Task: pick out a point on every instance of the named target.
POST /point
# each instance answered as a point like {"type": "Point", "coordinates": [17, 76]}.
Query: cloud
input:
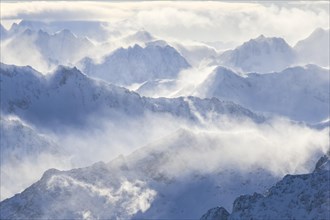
{"type": "Point", "coordinates": [24, 53]}
{"type": "Point", "coordinates": [126, 198]}
{"type": "Point", "coordinates": [15, 177]}
{"type": "Point", "coordinates": [277, 146]}
{"type": "Point", "coordinates": [201, 21]}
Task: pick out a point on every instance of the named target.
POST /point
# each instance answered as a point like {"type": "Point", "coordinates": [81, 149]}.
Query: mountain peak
{"type": "Point", "coordinates": [270, 40]}
{"type": "Point", "coordinates": [28, 32]}
{"type": "Point", "coordinates": [63, 73]}
{"type": "Point", "coordinates": [68, 70]}
{"type": "Point", "coordinates": [261, 37]}
{"type": "Point", "coordinates": [136, 47]}
{"type": "Point", "coordinates": [320, 31]}
{"type": "Point", "coordinates": [65, 33]}
{"type": "Point", "coordinates": [315, 48]}
{"type": "Point", "coordinates": [261, 54]}
{"type": "Point", "coordinates": [222, 72]}
{"type": "Point", "coordinates": [140, 36]}
{"type": "Point", "coordinates": [143, 35]}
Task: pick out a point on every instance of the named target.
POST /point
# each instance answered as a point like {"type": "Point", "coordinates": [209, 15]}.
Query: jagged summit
{"type": "Point", "coordinates": [261, 37]}
{"type": "Point", "coordinates": [13, 70]}
{"type": "Point", "coordinates": [45, 50]}
{"type": "Point", "coordinates": [79, 96]}
{"type": "Point", "coordinates": [66, 33]}
{"type": "Point", "coordinates": [137, 64]}
{"type": "Point", "coordinates": [64, 73]}
{"type": "Point", "coordinates": [82, 28]}
{"type": "Point", "coordinates": [262, 54]}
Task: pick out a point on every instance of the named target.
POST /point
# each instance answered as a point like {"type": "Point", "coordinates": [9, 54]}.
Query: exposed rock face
{"type": "Point", "coordinates": [304, 196]}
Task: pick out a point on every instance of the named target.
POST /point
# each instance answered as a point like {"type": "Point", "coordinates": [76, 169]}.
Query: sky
{"type": "Point", "coordinates": [184, 20]}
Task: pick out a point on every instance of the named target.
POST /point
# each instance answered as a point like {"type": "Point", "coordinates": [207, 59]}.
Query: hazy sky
{"type": "Point", "coordinates": [185, 20]}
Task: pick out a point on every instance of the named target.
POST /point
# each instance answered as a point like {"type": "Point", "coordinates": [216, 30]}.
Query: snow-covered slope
{"type": "Point", "coordinates": [137, 64]}
{"type": "Point", "coordinates": [39, 48]}
{"type": "Point", "coordinates": [294, 197]}
{"type": "Point", "coordinates": [158, 181]}
{"type": "Point", "coordinates": [3, 32]}
{"type": "Point", "coordinates": [68, 97]}
{"type": "Point", "coordinates": [300, 93]}
{"type": "Point", "coordinates": [19, 141]}
{"type": "Point", "coordinates": [315, 48]}
{"type": "Point", "coordinates": [196, 53]}
{"type": "Point", "coordinates": [157, 88]}
{"type": "Point", "coordinates": [196, 168]}
{"type": "Point", "coordinates": [262, 54]}
{"type": "Point", "coordinates": [177, 177]}
{"type": "Point", "coordinates": [25, 155]}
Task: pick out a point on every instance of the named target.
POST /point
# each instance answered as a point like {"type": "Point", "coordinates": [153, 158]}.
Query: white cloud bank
{"type": "Point", "coordinates": [201, 21]}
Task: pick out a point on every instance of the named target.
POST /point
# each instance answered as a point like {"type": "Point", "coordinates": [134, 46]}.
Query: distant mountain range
{"type": "Point", "coordinates": [45, 50]}
{"type": "Point", "coordinates": [264, 54]}
{"type": "Point", "coordinates": [199, 128]}
{"type": "Point", "coordinates": [300, 93]}
{"type": "Point", "coordinates": [68, 97]}
{"type": "Point", "coordinates": [137, 65]}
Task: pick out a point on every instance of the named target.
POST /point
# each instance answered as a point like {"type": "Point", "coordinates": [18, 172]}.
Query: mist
{"type": "Point", "coordinates": [278, 146]}
{"type": "Point", "coordinates": [129, 146]}
{"type": "Point", "coordinates": [213, 21]}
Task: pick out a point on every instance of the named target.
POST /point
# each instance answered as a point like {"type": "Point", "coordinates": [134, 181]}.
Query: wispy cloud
{"type": "Point", "coordinates": [203, 21]}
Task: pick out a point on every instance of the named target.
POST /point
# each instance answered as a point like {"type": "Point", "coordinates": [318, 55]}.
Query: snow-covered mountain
{"type": "Point", "coordinates": [139, 37]}
{"type": "Point", "coordinates": [83, 28]}
{"type": "Point", "coordinates": [39, 48]}
{"type": "Point", "coordinates": [192, 152]}
{"type": "Point", "coordinates": [144, 184]}
{"type": "Point", "coordinates": [294, 197]}
{"type": "Point", "coordinates": [164, 180]}
{"type": "Point", "coordinates": [193, 52]}
{"type": "Point", "coordinates": [22, 148]}
{"type": "Point", "coordinates": [164, 88]}
{"type": "Point", "coordinates": [69, 97]}
{"type": "Point", "coordinates": [137, 64]}
{"type": "Point", "coordinates": [261, 54]}
{"type": "Point", "coordinates": [20, 141]}
{"type": "Point", "coordinates": [315, 48]}
{"type": "Point", "coordinates": [300, 93]}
